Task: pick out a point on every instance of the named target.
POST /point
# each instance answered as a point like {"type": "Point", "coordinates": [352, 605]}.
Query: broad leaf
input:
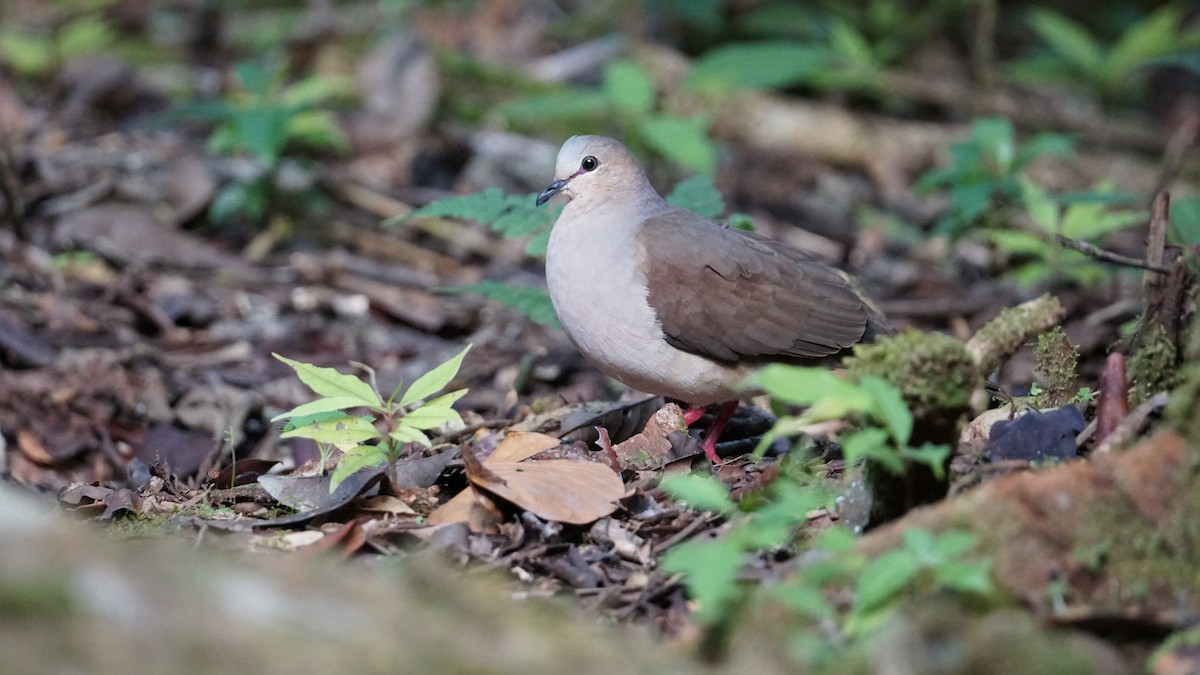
{"type": "Point", "coordinates": [1067, 38]}
{"type": "Point", "coordinates": [330, 383]}
{"type": "Point", "coordinates": [347, 429]}
{"type": "Point", "coordinates": [710, 572]}
{"type": "Point", "coordinates": [629, 86]}
{"type": "Point", "coordinates": [436, 412]}
{"type": "Point", "coordinates": [355, 460]}
{"type": "Point", "coordinates": [435, 380]}
{"type": "Point", "coordinates": [683, 141]}
{"type": "Point", "coordinates": [756, 65]}
{"type": "Point", "coordinates": [698, 194]}
{"type": "Point", "coordinates": [890, 407]}
{"type": "Point", "coordinates": [403, 433]}
{"type": "Point", "coordinates": [704, 493]}
{"type": "Point", "coordinates": [324, 404]}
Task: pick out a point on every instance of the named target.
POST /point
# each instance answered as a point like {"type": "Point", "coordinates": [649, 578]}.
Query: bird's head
{"type": "Point", "coordinates": [594, 165]}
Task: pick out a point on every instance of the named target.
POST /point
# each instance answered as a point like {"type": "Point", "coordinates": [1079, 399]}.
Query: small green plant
{"type": "Point", "coordinates": [886, 423]}
{"type": "Point", "coordinates": [838, 47]}
{"type": "Point", "coordinates": [834, 586]}
{"type": "Point", "coordinates": [1084, 217]}
{"type": "Point", "coordinates": [329, 422]}
{"type": "Point", "coordinates": [983, 179]}
{"type": "Point", "coordinates": [268, 120]}
{"type": "Point", "coordinates": [1074, 56]}
{"type": "Point", "coordinates": [517, 216]}
{"type": "Point", "coordinates": [31, 53]}
{"type": "Point", "coordinates": [627, 100]}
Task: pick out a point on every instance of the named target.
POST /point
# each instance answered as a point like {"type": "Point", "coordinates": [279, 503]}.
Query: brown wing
{"type": "Point", "coordinates": [731, 295]}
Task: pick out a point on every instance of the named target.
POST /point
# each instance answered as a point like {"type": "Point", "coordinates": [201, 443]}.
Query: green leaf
{"type": "Point", "coordinates": [435, 380]}
{"type": "Point", "coordinates": [932, 456]}
{"type": "Point", "coordinates": [404, 433]}
{"type": "Point", "coordinates": [629, 86]}
{"type": "Point", "coordinates": [355, 460]}
{"type": "Point", "coordinates": [27, 54]}
{"type": "Point", "coordinates": [683, 141]}
{"type": "Point", "coordinates": [871, 443]}
{"type": "Point", "coordinates": [302, 420]}
{"type": "Point", "coordinates": [436, 412]}
{"type": "Point", "coordinates": [698, 194]}
{"type": "Point", "coordinates": [756, 65]}
{"type": "Point", "coordinates": [1018, 242]}
{"type": "Point", "coordinates": [235, 199]}
{"type": "Point", "coordinates": [970, 200]}
{"type": "Point", "coordinates": [1185, 220]}
{"type": "Point", "coordinates": [536, 248]}
{"type": "Point", "coordinates": [965, 577]}
{"type": "Point", "coordinates": [1043, 210]}
{"type": "Point", "coordinates": [920, 542]}
{"type": "Point", "coordinates": [1043, 144]}
{"type": "Point", "coordinates": [321, 405]}
{"type": "Point", "coordinates": [558, 106]}
{"type": "Point", "coordinates": [890, 407]}
{"type": "Point", "coordinates": [330, 383]}
{"type": "Point", "coordinates": [996, 137]}
{"type": "Point", "coordinates": [85, 35]}
{"type": "Point", "coordinates": [835, 539]}
{"type": "Point", "coordinates": [1091, 222]}
{"type": "Point", "coordinates": [883, 578]}
{"type": "Point", "coordinates": [1149, 38]}
{"type": "Point", "coordinates": [850, 44]}
{"type": "Point", "coordinates": [801, 385]}
{"type": "Point", "coordinates": [532, 302]}
{"type": "Point", "coordinates": [803, 599]}
{"type": "Point", "coordinates": [710, 571]}
{"type": "Point", "coordinates": [704, 493]}
{"type": "Point", "coordinates": [1106, 196]}
{"type": "Point", "coordinates": [343, 430]}
{"type": "Point", "coordinates": [1068, 39]}
{"type": "Point", "coordinates": [510, 215]}
{"type": "Point", "coordinates": [952, 544]}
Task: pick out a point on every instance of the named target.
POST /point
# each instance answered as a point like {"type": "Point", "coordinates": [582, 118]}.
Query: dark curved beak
{"type": "Point", "coordinates": [551, 190]}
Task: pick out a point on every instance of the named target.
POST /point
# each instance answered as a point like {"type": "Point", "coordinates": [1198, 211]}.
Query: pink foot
{"type": "Point", "coordinates": [709, 442]}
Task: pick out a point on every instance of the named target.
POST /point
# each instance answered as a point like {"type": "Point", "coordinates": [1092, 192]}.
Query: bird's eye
{"type": "Point", "coordinates": [589, 163]}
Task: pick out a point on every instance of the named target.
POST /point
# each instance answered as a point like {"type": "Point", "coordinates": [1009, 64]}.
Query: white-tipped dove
{"type": "Point", "coordinates": [674, 304]}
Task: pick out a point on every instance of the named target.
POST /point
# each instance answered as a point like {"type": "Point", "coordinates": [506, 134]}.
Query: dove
{"type": "Point", "coordinates": [674, 304]}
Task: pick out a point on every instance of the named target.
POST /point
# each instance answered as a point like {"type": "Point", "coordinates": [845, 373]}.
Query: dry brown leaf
{"type": "Point", "coordinates": [568, 491]}
{"type": "Point", "coordinates": [521, 445]}
{"type": "Point", "coordinates": [388, 504]}
{"type": "Point", "coordinates": [563, 490]}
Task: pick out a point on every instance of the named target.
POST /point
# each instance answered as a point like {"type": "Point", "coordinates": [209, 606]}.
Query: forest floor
{"type": "Point", "coordinates": [138, 387]}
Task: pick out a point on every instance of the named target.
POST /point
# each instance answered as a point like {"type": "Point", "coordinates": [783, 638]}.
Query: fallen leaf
{"type": "Point", "coordinates": [544, 491]}
{"type": "Point", "coordinates": [563, 490]}
{"type": "Point", "coordinates": [388, 504]}
{"type": "Point", "coordinates": [521, 445]}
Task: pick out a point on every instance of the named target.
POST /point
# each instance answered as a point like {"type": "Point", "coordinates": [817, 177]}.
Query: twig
{"type": "Point", "coordinates": [1093, 251]}
{"type": "Point", "coordinates": [1156, 239]}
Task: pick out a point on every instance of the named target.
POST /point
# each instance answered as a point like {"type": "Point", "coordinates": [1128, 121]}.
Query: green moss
{"type": "Point", "coordinates": [1056, 368]}
{"type": "Point", "coordinates": [935, 371]}
{"type": "Point", "coordinates": [1012, 328]}
{"type": "Point", "coordinates": [1137, 551]}
{"type": "Point", "coordinates": [1154, 367]}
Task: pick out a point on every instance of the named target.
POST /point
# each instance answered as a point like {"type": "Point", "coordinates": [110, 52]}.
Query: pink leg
{"type": "Point", "coordinates": [693, 414]}
{"type": "Point", "coordinates": [709, 442]}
